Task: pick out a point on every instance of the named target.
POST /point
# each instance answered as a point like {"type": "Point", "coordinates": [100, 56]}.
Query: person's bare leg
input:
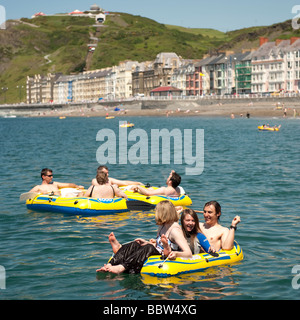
{"type": "Point", "coordinates": [115, 244]}
{"type": "Point", "coordinates": [165, 242]}
{"type": "Point", "coordinates": [104, 268]}
{"type": "Point", "coordinates": [116, 269]}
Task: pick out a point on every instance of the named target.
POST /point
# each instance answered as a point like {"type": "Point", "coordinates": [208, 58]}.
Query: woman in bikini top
{"type": "Point", "coordinates": [103, 190]}
{"type": "Point", "coordinates": [91, 193]}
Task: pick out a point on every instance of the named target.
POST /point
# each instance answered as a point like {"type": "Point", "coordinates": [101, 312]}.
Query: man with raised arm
{"type": "Point", "coordinates": [218, 236]}
{"type": "Point", "coordinates": [172, 189]}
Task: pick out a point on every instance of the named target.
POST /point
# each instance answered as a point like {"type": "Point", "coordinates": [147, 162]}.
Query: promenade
{"type": "Point", "coordinates": [257, 106]}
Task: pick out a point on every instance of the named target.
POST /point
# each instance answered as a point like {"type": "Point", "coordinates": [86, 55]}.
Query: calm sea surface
{"type": "Point", "coordinates": [54, 256]}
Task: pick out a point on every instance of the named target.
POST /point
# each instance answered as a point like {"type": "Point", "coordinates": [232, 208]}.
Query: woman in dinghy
{"type": "Point", "coordinates": [104, 189]}
{"type": "Point", "coordinates": [130, 257]}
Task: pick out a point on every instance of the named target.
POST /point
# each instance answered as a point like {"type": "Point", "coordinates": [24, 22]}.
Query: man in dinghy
{"type": "Point", "coordinates": [113, 181]}
{"type": "Point", "coordinates": [218, 236]}
{"type": "Point", "coordinates": [171, 190]}
{"type": "Point", "coordinates": [49, 186]}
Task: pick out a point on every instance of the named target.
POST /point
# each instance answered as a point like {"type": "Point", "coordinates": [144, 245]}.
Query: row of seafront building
{"type": "Point", "coordinates": [273, 67]}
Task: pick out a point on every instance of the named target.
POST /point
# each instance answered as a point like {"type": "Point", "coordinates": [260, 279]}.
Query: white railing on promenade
{"type": "Point", "coordinates": [164, 98]}
{"type": "Point", "coordinates": [208, 97]}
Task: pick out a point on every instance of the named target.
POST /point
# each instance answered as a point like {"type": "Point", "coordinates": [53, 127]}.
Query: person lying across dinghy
{"type": "Point", "coordinates": [172, 189]}
{"type": "Point", "coordinates": [114, 181]}
{"type": "Point", "coordinates": [130, 257]}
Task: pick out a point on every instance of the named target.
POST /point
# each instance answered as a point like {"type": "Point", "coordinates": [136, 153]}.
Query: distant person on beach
{"type": "Point", "coordinates": [104, 189]}
{"type": "Point", "coordinates": [112, 180]}
{"type": "Point", "coordinates": [172, 188]}
{"type": "Point", "coordinates": [284, 112]}
{"type": "Point", "coordinates": [50, 186]}
{"type": "Point", "coordinates": [131, 256]}
{"type": "Point", "coordinates": [219, 237]}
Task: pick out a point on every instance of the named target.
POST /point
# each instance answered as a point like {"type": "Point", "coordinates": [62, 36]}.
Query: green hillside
{"type": "Point", "coordinates": [59, 44]}
{"type": "Point", "coordinates": [24, 45]}
{"type": "Point", "coordinates": [206, 32]}
{"type": "Point", "coordinates": [249, 37]}
{"type": "Point", "coordinates": [129, 37]}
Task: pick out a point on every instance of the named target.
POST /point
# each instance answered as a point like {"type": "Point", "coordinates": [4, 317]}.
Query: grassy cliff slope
{"type": "Point", "coordinates": [60, 44]}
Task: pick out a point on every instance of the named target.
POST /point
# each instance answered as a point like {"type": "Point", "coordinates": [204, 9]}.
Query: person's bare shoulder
{"type": "Point", "coordinates": [36, 189]}
{"type": "Point", "coordinates": [223, 231]}
{"type": "Point", "coordinates": [94, 182]}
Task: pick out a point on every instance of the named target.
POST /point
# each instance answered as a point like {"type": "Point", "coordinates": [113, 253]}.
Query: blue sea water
{"type": "Point", "coordinates": [54, 256]}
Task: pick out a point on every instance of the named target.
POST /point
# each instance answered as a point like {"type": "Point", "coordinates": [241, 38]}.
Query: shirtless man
{"type": "Point", "coordinates": [49, 186]}
{"type": "Point", "coordinates": [219, 237]}
{"type": "Point", "coordinates": [114, 181]}
{"type": "Point", "coordinates": [172, 188]}
{"type": "Point", "coordinates": [104, 189]}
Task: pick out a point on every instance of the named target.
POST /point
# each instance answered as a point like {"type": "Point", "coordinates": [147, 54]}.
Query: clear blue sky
{"type": "Point", "coordinates": [223, 15]}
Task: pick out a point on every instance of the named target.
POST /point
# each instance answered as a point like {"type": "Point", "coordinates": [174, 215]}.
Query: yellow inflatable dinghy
{"type": "Point", "coordinates": [155, 266]}
{"type": "Point", "coordinates": [182, 200]}
{"type": "Point", "coordinates": [77, 205]}
{"type": "Point", "coordinates": [264, 128]}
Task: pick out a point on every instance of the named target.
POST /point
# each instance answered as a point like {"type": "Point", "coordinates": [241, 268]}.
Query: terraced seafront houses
{"type": "Point", "coordinates": [274, 67]}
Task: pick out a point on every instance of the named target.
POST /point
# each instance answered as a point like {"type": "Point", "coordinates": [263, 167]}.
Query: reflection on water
{"type": "Point", "coordinates": [213, 283]}
{"type": "Point", "coordinates": [117, 220]}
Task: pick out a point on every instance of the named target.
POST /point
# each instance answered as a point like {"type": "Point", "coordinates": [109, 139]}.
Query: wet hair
{"type": "Point", "coordinates": [165, 212]}
{"type": "Point", "coordinates": [175, 179]}
{"type": "Point", "coordinates": [45, 171]}
{"type": "Point", "coordinates": [102, 178]}
{"type": "Point", "coordinates": [216, 205]}
{"type": "Point", "coordinates": [100, 168]}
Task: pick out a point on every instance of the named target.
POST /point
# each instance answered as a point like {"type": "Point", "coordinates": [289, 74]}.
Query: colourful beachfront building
{"type": "Point", "coordinates": [274, 67]}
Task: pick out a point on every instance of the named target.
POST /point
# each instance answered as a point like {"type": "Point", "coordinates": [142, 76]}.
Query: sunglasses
{"type": "Point", "coordinates": [49, 175]}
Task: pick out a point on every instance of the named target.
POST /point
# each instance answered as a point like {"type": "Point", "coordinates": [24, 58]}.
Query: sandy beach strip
{"type": "Point", "coordinates": [178, 109]}
{"type": "Point", "coordinates": [215, 110]}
